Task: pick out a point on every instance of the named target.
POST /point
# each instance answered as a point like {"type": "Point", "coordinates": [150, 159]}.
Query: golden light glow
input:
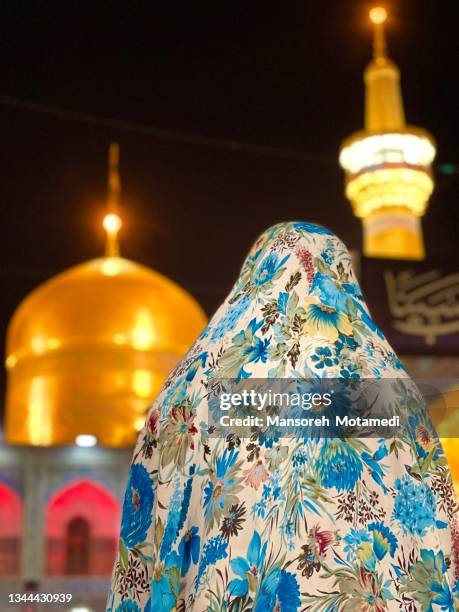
{"type": "Point", "coordinates": [86, 440]}
{"type": "Point", "coordinates": [39, 344]}
{"type": "Point", "coordinates": [38, 415]}
{"type": "Point", "coordinates": [390, 148]}
{"type": "Point", "coordinates": [451, 448]}
{"type": "Point", "coordinates": [91, 349]}
{"type": "Point", "coordinates": [388, 164]}
{"type": "Point", "coordinates": [139, 423]}
{"type": "Point", "coordinates": [394, 231]}
{"type": "Point", "coordinates": [112, 223]}
{"type": "Point", "coordinates": [389, 187]}
{"type": "Point", "coordinates": [378, 14]}
{"type": "Point", "coordinates": [143, 333]}
{"type": "Point", "coordinates": [10, 362]}
{"type": "Point", "coordinates": [143, 383]}
{"type": "Point", "coordinates": [111, 266]}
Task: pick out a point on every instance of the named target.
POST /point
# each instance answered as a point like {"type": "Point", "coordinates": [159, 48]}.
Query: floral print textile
{"type": "Point", "coordinates": [256, 524]}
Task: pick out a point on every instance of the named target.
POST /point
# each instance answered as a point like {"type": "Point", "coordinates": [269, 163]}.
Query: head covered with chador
{"type": "Point", "coordinates": [261, 523]}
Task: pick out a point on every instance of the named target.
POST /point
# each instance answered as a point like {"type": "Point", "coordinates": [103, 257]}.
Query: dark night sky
{"type": "Point", "coordinates": [285, 74]}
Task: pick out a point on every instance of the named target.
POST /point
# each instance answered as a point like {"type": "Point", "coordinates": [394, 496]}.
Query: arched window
{"type": "Point", "coordinates": [10, 531]}
{"type": "Point", "coordinates": [82, 525]}
{"type": "Point", "coordinates": [78, 546]}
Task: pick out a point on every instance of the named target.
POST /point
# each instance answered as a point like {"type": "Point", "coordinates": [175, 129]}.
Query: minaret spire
{"type": "Point", "coordinates": [378, 16]}
{"type": "Point", "coordinates": [383, 96]}
{"type": "Point", "coordinates": [112, 220]}
{"type": "Point", "coordinates": [388, 163]}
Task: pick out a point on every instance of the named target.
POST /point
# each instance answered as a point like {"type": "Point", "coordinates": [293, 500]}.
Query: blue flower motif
{"type": "Point", "coordinates": [189, 549]}
{"type": "Point", "coordinates": [429, 584]}
{"type": "Point", "coordinates": [231, 317]}
{"type": "Point", "coordinates": [414, 506]}
{"type": "Point", "coordinates": [327, 255]}
{"type": "Point", "coordinates": [354, 539]}
{"type": "Point", "coordinates": [278, 591]}
{"type": "Point", "coordinates": [323, 357]}
{"type": "Point", "coordinates": [339, 465]}
{"type": "Point", "coordinates": [258, 351]}
{"type": "Point", "coordinates": [162, 594]}
{"type": "Point", "coordinates": [128, 606]}
{"type": "Point", "coordinates": [213, 500]}
{"type": "Point", "coordinates": [350, 371]}
{"type": "Point", "coordinates": [267, 269]}
{"type": "Point", "coordinates": [288, 593]}
{"type": "Point", "coordinates": [312, 228]}
{"type": "Point", "coordinates": [383, 540]}
{"type": "Point", "coordinates": [214, 549]}
{"type": "Point", "coordinates": [248, 569]}
{"type": "Point", "coordinates": [331, 295]}
{"type": "Point", "coordinates": [173, 520]}
{"type": "Point", "coordinates": [137, 506]}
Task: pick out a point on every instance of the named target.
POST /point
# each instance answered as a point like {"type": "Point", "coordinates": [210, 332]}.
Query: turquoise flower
{"type": "Point", "coordinates": [268, 269]}
{"type": "Point", "coordinates": [258, 351]}
{"type": "Point", "coordinates": [288, 593]}
{"type": "Point", "coordinates": [311, 228]}
{"type": "Point", "coordinates": [324, 321]}
{"type": "Point", "coordinates": [323, 357]}
{"type": "Point", "coordinates": [214, 549]}
{"type": "Point", "coordinates": [428, 583]}
{"type": "Point", "coordinates": [248, 569]}
{"type": "Point", "coordinates": [330, 294]}
{"type": "Point", "coordinates": [384, 540]}
{"type": "Point", "coordinates": [414, 506]}
{"type": "Point", "coordinates": [327, 255]}
{"type": "Point", "coordinates": [189, 549]}
{"type": "Point", "coordinates": [354, 539]}
{"type": "Point", "coordinates": [128, 606]}
{"type": "Point", "coordinates": [230, 318]}
{"type": "Point", "coordinates": [221, 488]}
{"type": "Point", "coordinates": [137, 506]}
{"type": "Point", "coordinates": [278, 591]}
{"type": "Point", "coordinates": [161, 592]}
{"type": "Point", "coordinates": [339, 465]}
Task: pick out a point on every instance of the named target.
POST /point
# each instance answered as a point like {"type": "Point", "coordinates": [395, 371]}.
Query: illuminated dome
{"type": "Point", "coordinates": [88, 350]}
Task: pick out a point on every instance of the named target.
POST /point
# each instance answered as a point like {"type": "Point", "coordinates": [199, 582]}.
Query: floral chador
{"type": "Point", "coordinates": [255, 524]}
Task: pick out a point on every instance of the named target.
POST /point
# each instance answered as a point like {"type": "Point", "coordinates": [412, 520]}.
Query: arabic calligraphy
{"type": "Point", "coordinates": [425, 305]}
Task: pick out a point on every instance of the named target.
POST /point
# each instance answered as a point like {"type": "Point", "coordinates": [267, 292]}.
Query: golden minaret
{"type": "Point", "coordinates": [88, 350]}
{"type": "Point", "coordinates": [388, 164]}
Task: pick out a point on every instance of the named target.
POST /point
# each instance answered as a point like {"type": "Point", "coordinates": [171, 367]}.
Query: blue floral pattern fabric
{"type": "Point", "coordinates": [257, 524]}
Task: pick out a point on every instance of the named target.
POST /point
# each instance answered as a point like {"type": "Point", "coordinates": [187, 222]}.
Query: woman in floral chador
{"type": "Point", "coordinates": [257, 524]}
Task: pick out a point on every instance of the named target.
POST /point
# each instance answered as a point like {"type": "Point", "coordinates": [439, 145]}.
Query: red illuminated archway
{"type": "Point", "coordinates": [10, 530]}
{"type": "Point", "coordinates": [82, 502]}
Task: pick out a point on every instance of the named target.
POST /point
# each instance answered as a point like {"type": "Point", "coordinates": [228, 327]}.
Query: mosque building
{"type": "Point", "coordinates": [88, 350]}
{"type": "Point", "coordinates": [86, 353]}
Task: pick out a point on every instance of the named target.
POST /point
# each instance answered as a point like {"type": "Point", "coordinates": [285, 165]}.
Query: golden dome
{"type": "Point", "coordinates": [88, 350]}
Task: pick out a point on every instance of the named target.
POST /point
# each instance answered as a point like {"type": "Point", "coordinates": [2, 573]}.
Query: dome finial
{"type": "Point", "coordinates": [383, 97]}
{"type": "Point", "coordinates": [112, 220]}
{"type": "Point", "coordinates": [378, 16]}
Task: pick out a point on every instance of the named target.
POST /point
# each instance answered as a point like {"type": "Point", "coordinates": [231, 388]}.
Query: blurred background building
{"type": "Point", "coordinates": [87, 350]}
{"type": "Point", "coordinates": [86, 354]}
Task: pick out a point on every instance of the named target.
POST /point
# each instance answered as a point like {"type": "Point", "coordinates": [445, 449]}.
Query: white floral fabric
{"type": "Point", "coordinates": [258, 524]}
